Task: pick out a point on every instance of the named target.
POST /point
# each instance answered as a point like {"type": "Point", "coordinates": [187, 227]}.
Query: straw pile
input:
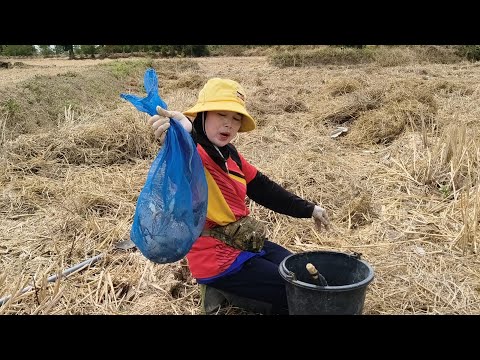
{"type": "Point", "coordinates": [401, 186]}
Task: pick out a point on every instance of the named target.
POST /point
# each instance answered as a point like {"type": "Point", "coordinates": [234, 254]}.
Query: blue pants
{"type": "Point", "coordinates": [259, 279]}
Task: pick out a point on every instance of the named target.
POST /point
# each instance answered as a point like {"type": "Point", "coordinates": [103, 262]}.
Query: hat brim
{"type": "Point", "coordinates": [248, 123]}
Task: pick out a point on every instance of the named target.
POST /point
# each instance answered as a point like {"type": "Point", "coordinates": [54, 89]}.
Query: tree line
{"type": "Point", "coordinates": [469, 52]}
{"type": "Point", "coordinates": [103, 50]}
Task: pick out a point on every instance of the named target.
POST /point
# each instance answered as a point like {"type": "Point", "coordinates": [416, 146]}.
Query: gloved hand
{"type": "Point", "coordinates": [160, 123]}
{"type": "Point", "coordinates": [321, 218]}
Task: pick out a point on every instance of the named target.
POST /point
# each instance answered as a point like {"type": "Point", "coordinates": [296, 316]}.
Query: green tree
{"type": "Point", "coordinates": [88, 50]}
{"type": "Point", "coordinates": [45, 50]}
{"type": "Point", "coordinates": [195, 50]}
{"type": "Point", "coordinates": [471, 52]}
{"type": "Point", "coordinates": [58, 49]}
{"type": "Point", "coordinates": [71, 53]}
{"type": "Point", "coordinates": [19, 50]}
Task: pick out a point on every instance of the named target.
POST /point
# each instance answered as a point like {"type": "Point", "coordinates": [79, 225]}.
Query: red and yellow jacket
{"type": "Point", "coordinates": [227, 191]}
{"type": "Point", "coordinates": [226, 203]}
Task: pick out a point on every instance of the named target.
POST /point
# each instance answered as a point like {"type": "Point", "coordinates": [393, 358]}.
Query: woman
{"type": "Point", "coordinates": [232, 255]}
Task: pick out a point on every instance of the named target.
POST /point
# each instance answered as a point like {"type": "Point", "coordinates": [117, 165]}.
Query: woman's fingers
{"type": "Point", "coordinates": [163, 112]}
{"type": "Point", "coordinates": [160, 123]}
{"type": "Point", "coordinates": [162, 137]}
{"type": "Point", "coordinates": [160, 127]}
{"type": "Point", "coordinates": [153, 119]}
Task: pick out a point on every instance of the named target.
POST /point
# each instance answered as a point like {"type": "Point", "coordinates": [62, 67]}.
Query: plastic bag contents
{"type": "Point", "coordinates": [172, 206]}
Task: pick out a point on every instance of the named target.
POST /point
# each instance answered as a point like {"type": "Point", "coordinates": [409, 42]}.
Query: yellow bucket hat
{"type": "Point", "coordinates": [223, 94]}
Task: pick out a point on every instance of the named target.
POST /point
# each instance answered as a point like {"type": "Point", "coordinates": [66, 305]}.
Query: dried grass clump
{"type": "Point", "coordinates": [26, 195]}
{"type": "Point", "coordinates": [447, 169]}
{"type": "Point", "coordinates": [407, 105]}
{"type": "Point", "coordinates": [451, 164]}
{"type": "Point", "coordinates": [384, 125]}
{"type": "Point", "coordinates": [323, 56]}
{"type": "Point", "coordinates": [357, 211]}
{"type": "Point", "coordinates": [446, 88]}
{"type": "Point", "coordinates": [292, 105]}
{"type": "Point", "coordinates": [21, 65]}
{"type": "Point", "coordinates": [437, 54]}
{"type": "Point", "coordinates": [407, 90]}
{"type": "Point", "coordinates": [228, 50]}
{"type": "Point", "coordinates": [260, 50]}
{"type": "Point", "coordinates": [178, 74]}
{"type": "Point", "coordinates": [354, 105]}
{"type": "Point", "coordinates": [38, 104]}
{"type": "Point", "coordinates": [343, 85]}
{"type": "Point", "coordinates": [266, 101]}
{"type": "Point", "coordinates": [388, 56]}
{"type": "Point", "coordinates": [108, 291]}
{"type": "Point", "coordinates": [97, 205]}
{"type": "Point", "coordinates": [116, 139]}
{"type": "Point", "coordinates": [124, 69]}
{"type": "Point", "coordinates": [468, 208]}
{"type": "Point", "coordinates": [189, 81]}
{"type": "Point", "coordinates": [377, 127]}
{"type": "Point", "coordinates": [27, 147]}
{"type": "Point", "coordinates": [417, 114]}
{"type": "Point", "coordinates": [385, 56]}
{"type": "Point", "coordinates": [176, 65]}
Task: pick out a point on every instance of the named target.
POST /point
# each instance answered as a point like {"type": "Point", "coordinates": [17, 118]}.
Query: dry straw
{"type": "Point", "coordinates": [401, 186]}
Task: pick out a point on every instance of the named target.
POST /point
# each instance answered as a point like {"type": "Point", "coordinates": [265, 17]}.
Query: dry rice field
{"type": "Point", "coordinates": [401, 185]}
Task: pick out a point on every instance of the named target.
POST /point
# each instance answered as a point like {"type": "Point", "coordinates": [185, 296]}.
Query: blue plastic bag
{"type": "Point", "coordinates": [149, 103]}
{"type": "Point", "coordinates": [172, 206]}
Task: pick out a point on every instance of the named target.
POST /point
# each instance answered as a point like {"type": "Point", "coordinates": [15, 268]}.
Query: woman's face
{"type": "Point", "coordinates": [222, 126]}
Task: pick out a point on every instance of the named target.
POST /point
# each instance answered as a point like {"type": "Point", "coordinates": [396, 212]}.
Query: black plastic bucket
{"type": "Point", "coordinates": [347, 279]}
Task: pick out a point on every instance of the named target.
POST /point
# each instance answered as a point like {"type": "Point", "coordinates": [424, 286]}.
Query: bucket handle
{"type": "Point", "coordinates": [356, 255]}
{"type": "Point", "coordinates": [290, 275]}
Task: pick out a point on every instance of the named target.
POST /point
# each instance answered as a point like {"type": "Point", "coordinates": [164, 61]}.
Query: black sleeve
{"type": "Point", "coordinates": [268, 193]}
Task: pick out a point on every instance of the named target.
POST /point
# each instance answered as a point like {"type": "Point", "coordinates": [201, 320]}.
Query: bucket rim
{"type": "Point", "coordinates": [287, 274]}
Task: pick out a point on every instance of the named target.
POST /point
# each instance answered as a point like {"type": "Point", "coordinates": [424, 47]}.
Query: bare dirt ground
{"type": "Point", "coordinates": [401, 186]}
